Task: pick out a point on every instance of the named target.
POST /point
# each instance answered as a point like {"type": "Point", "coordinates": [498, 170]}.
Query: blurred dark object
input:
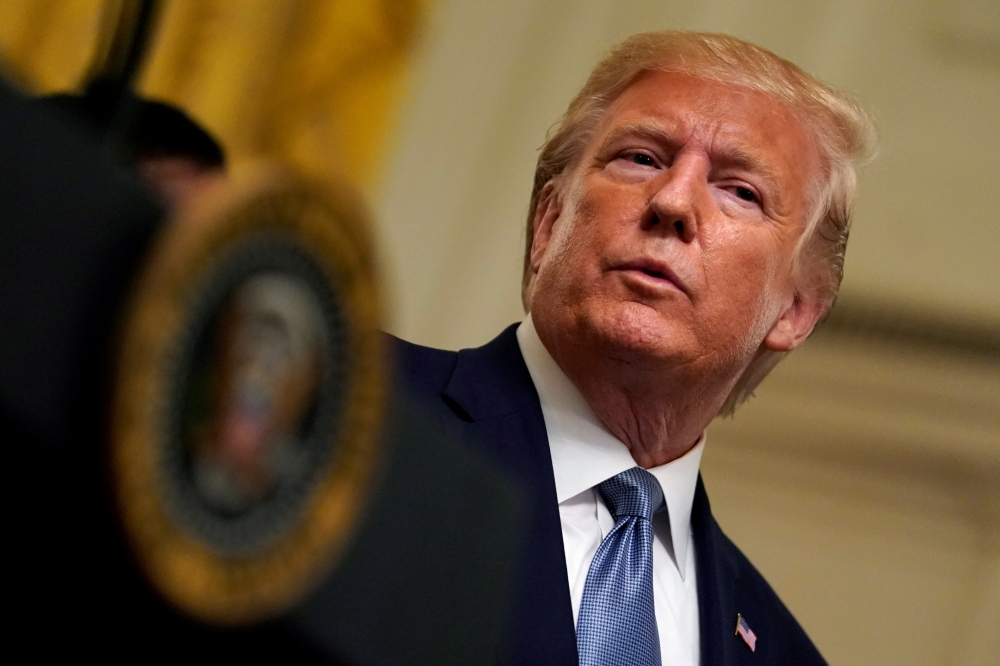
{"type": "Point", "coordinates": [174, 156]}
{"type": "Point", "coordinates": [431, 576]}
{"type": "Point", "coordinates": [156, 129]}
{"type": "Point", "coordinates": [426, 578]}
{"type": "Point", "coordinates": [74, 230]}
{"type": "Point", "coordinates": [108, 104]}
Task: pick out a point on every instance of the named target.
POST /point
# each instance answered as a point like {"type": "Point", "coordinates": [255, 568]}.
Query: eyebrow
{"type": "Point", "coordinates": [639, 128]}
{"type": "Point", "coordinates": [730, 156]}
{"type": "Point", "coordinates": [735, 156]}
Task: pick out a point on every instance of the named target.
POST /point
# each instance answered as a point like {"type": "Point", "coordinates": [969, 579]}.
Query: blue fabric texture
{"type": "Point", "coordinates": [617, 620]}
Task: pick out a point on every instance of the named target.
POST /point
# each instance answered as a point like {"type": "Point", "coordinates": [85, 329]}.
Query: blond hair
{"type": "Point", "coordinates": [844, 132]}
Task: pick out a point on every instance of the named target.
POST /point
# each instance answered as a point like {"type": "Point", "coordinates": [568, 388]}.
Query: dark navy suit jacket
{"type": "Point", "coordinates": [487, 396]}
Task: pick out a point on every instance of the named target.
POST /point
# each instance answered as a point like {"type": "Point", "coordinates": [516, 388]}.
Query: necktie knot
{"type": "Point", "coordinates": [635, 492]}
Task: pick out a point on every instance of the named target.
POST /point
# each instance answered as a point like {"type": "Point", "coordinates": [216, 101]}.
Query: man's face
{"type": "Point", "coordinates": [673, 238]}
{"type": "Point", "coordinates": [175, 180]}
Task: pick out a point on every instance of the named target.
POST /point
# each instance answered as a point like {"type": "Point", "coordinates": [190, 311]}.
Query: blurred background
{"type": "Point", "coordinates": [864, 478]}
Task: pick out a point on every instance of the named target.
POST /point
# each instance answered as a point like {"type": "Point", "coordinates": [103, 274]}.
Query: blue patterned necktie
{"type": "Point", "coordinates": [617, 622]}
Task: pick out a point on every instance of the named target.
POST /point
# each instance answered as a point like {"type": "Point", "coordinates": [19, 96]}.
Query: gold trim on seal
{"type": "Point", "coordinates": [331, 224]}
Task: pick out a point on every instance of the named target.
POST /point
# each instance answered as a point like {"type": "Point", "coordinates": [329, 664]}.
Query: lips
{"type": "Point", "coordinates": [652, 272]}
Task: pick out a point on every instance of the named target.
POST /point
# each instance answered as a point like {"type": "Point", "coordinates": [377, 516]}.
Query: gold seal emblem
{"type": "Point", "coordinates": [248, 396]}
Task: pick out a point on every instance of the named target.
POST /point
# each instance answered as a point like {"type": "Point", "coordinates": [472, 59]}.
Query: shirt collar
{"type": "Point", "coordinates": [585, 453]}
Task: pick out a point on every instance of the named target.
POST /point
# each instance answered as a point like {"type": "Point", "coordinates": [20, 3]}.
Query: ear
{"type": "Point", "coordinates": [795, 323]}
{"type": "Point", "coordinates": [546, 214]}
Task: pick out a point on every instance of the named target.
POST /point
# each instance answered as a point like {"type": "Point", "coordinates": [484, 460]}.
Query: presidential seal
{"type": "Point", "coordinates": [248, 396]}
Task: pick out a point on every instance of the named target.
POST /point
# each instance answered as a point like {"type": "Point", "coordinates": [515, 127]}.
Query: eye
{"type": "Point", "coordinates": [642, 159]}
{"type": "Point", "coordinates": [745, 193]}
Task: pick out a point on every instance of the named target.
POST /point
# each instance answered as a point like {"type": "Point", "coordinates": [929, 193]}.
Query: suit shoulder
{"type": "Point", "coordinates": [424, 371]}
{"type": "Point", "coordinates": [787, 642]}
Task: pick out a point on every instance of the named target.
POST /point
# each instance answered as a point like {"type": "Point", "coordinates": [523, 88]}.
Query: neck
{"type": "Point", "coordinates": [658, 412]}
{"type": "Point", "coordinates": [657, 425]}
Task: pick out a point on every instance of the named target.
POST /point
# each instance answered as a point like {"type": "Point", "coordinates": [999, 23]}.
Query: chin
{"type": "Point", "coordinates": [633, 332]}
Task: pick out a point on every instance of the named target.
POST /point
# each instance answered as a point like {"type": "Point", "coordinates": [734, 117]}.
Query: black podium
{"type": "Point", "coordinates": [425, 574]}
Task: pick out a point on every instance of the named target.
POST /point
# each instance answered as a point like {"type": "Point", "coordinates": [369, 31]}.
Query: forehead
{"type": "Point", "coordinates": [730, 122]}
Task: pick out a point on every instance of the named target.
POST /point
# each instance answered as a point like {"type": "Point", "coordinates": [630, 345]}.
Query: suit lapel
{"type": "Point", "coordinates": [720, 593]}
{"type": "Point", "coordinates": [491, 388]}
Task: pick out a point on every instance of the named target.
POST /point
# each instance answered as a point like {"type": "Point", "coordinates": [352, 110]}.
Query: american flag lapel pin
{"type": "Point", "coordinates": [743, 629]}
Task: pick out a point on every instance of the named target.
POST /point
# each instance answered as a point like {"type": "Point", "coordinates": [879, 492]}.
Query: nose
{"type": "Point", "coordinates": [675, 204]}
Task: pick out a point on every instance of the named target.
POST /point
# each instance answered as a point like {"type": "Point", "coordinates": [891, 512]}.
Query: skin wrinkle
{"type": "Point", "coordinates": [731, 157]}
{"type": "Point", "coordinates": [656, 363]}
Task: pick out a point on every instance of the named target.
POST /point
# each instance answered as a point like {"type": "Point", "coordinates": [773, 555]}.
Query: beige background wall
{"type": "Point", "coordinates": [492, 77]}
{"type": "Point", "coordinates": [864, 480]}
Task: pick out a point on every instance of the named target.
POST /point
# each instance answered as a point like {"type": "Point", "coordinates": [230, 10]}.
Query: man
{"type": "Point", "coordinates": [687, 228]}
{"type": "Point", "coordinates": [172, 155]}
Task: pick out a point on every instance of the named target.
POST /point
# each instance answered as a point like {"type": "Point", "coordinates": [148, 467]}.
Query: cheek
{"type": "Point", "coordinates": [570, 247]}
{"type": "Point", "coordinates": [559, 254]}
{"type": "Point", "coordinates": [596, 222]}
{"type": "Point", "coordinates": [746, 275]}
{"type": "Point", "coordinates": [743, 260]}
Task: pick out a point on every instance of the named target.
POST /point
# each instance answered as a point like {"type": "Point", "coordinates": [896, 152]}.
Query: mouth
{"type": "Point", "coordinates": [653, 273]}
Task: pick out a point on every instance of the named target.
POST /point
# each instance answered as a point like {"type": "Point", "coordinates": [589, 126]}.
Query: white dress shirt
{"type": "Point", "coordinates": [585, 453]}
